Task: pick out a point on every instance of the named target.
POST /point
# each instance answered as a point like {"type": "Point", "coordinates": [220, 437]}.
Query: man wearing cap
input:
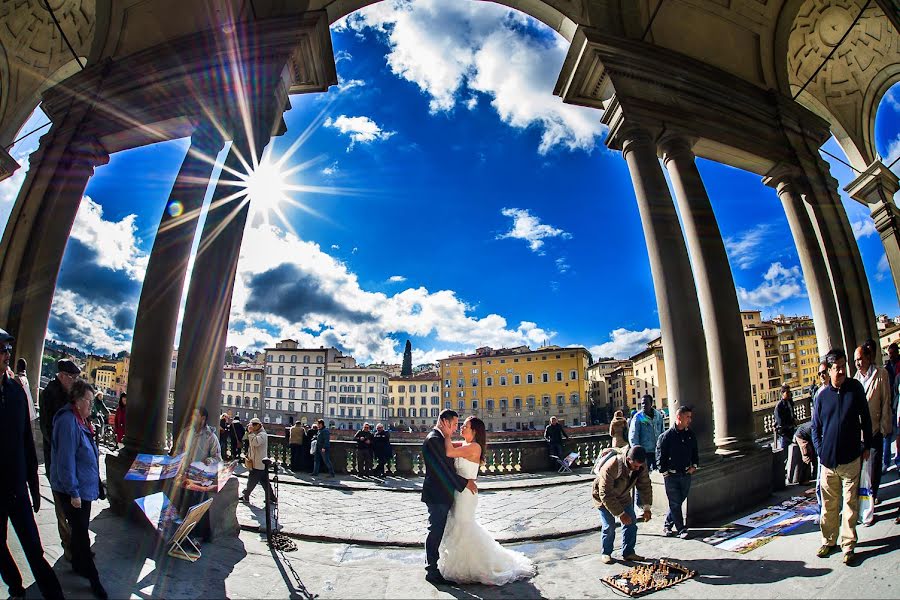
{"type": "Point", "coordinates": [20, 479]}
{"type": "Point", "coordinates": [52, 399]}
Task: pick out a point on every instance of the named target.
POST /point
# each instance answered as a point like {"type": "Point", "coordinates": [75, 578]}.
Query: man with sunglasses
{"type": "Point", "coordinates": [54, 397]}
{"type": "Point", "coordinates": [19, 481]}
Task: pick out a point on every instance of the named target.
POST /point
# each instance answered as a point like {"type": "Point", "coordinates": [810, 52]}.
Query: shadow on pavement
{"type": "Point", "coordinates": [132, 562]}
{"type": "Point", "coordinates": [871, 548]}
{"type": "Point", "coordinates": [730, 571]}
{"type": "Point", "coordinates": [517, 589]}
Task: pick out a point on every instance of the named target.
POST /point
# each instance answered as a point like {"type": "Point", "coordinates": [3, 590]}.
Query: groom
{"type": "Point", "coordinates": [440, 482]}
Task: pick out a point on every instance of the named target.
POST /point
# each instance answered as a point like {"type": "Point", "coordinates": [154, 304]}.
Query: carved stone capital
{"type": "Point", "coordinates": [877, 184]}
{"type": "Point", "coordinates": [675, 146]}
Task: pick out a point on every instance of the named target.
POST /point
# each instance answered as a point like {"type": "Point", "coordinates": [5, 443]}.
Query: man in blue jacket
{"type": "Point", "coordinates": [646, 427]}
{"type": "Point", "coordinates": [840, 420]}
{"type": "Point", "coordinates": [20, 479]}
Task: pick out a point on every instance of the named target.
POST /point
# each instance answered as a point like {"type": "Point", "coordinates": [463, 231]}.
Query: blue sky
{"type": "Point", "coordinates": [467, 207]}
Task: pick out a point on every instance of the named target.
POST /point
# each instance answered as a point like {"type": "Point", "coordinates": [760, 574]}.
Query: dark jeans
{"type": "Point", "coordinates": [223, 444]}
{"type": "Point", "coordinates": [260, 476]}
{"type": "Point", "coordinates": [17, 509]}
{"type": "Point", "coordinates": [678, 485]}
{"type": "Point", "coordinates": [651, 466]}
{"type": "Point", "coordinates": [437, 521]}
{"type": "Point", "coordinates": [877, 449]}
{"type": "Point", "coordinates": [79, 519]}
{"type": "Point", "coordinates": [235, 447]}
{"type": "Point", "coordinates": [886, 450]}
{"type": "Point", "coordinates": [364, 461]}
{"type": "Point", "coordinates": [320, 458]}
{"type": "Point", "coordinates": [556, 450]}
{"type": "Point", "coordinates": [382, 460]}
{"type": "Point", "coordinates": [296, 456]}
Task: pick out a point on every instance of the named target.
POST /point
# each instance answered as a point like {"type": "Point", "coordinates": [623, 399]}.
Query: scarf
{"type": "Point", "coordinates": [85, 424]}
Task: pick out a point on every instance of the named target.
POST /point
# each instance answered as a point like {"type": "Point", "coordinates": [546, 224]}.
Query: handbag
{"type": "Point", "coordinates": [312, 448]}
{"type": "Point", "coordinates": [866, 504]}
{"type": "Point", "coordinates": [248, 463]}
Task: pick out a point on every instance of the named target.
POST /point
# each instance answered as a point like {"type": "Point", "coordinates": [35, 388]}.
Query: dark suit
{"type": "Point", "coordinates": [441, 481]}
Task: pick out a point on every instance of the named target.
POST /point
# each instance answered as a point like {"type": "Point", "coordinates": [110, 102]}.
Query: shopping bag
{"type": "Point", "coordinates": [866, 501]}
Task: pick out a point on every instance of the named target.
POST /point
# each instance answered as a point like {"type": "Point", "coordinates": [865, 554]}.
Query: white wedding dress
{"type": "Point", "coordinates": [468, 553]}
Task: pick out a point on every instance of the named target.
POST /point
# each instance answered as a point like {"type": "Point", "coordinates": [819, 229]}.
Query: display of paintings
{"type": "Point", "coordinates": [761, 517]}
{"type": "Point", "coordinates": [153, 467]}
{"type": "Point", "coordinates": [760, 527]}
{"type": "Point", "coordinates": [161, 513]}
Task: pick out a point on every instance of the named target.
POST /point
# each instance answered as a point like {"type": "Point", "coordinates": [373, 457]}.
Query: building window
{"type": "Point", "coordinates": [529, 378]}
{"type": "Point", "coordinates": [559, 375]}
{"type": "Point", "coordinates": [503, 380]}
{"type": "Point", "coordinates": [516, 380]}
{"type": "Point", "coordinates": [545, 377]}
{"type": "Point", "coordinates": [488, 381]}
{"type": "Point", "coordinates": [573, 375]}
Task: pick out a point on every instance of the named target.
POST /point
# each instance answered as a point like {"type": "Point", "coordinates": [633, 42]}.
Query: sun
{"type": "Point", "coordinates": [267, 186]}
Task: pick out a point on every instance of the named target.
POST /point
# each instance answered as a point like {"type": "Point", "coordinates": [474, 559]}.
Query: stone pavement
{"type": "Point", "coordinates": [368, 511]}
{"type": "Point", "coordinates": [567, 568]}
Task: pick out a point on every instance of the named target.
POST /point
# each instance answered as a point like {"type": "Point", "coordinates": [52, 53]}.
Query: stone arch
{"type": "Point", "coordinates": [848, 89]}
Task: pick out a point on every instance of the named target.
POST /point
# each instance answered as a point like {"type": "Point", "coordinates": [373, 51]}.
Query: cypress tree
{"type": "Point", "coordinates": [406, 369]}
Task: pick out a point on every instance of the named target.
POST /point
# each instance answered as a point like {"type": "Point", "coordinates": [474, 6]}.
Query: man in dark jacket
{"type": "Point", "coordinates": [785, 421]}
{"type": "Point", "coordinates": [678, 458]}
{"type": "Point", "coordinates": [54, 397]}
{"type": "Point", "coordinates": [364, 450]}
{"type": "Point", "coordinates": [382, 447]}
{"type": "Point", "coordinates": [840, 420]}
{"type": "Point", "coordinates": [441, 481]}
{"type": "Point", "coordinates": [554, 435]}
{"type": "Point", "coordinates": [20, 476]}
{"type": "Point", "coordinates": [237, 437]}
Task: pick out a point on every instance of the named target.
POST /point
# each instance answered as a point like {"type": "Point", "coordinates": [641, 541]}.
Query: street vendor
{"type": "Point", "coordinates": [198, 443]}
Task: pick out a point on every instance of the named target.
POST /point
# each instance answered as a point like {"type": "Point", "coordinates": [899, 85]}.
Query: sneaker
{"type": "Point", "coordinates": [632, 557]}
{"type": "Point", "coordinates": [850, 558]}
{"type": "Point", "coordinates": [825, 551]}
{"type": "Point", "coordinates": [668, 531]}
{"type": "Point", "coordinates": [683, 534]}
{"type": "Point", "coordinates": [606, 559]}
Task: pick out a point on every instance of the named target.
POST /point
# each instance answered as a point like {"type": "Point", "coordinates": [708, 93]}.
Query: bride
{"type": "Point", "coordinates": [468, 553]}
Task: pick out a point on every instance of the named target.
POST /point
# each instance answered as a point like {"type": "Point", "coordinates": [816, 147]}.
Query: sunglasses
{"type": "Point", "coordinates": [6, 349]}
{"type": "Point", "coordinates": [823, 373]}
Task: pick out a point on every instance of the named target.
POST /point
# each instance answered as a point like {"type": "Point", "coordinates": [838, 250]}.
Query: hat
{"type": "Point", "coordinates": [5, 337]}
{"type": "Point", "coordinates": [255, 421]}
{"type": "Point", "coordinates": [67, 366]}
{"type": "Point", "coordinates": [236, 418]}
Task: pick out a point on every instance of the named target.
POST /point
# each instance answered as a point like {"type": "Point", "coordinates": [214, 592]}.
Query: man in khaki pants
{"type": "Point", "coordinates": [842, 433]}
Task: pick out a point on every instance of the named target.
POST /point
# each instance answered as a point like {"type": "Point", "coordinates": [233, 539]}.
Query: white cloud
{"type": "Point", "coordinates": [360, 321]}
{"type": "Point", "coordinates": [362, 130]}
{"type": "Point", "coordinates": [330, 169]}
{"type": "Point", "coordinates": [335, 247]}
{"type": "Point", "coordinates": [452, 49]}
{"type": "Point", "coordinates": [87, 324]}
{"type": "Point", "coordinates": [892, 97]}
{"type": "Point", "coordinates": [893, 153]}
{"type": "Point", "coordinates": [745, 249]}
{"type": "Point", "coordinates": [624, 343]}
{"type": "Point", "coordinates": [342, 55]}
{"type": "Point", "coordinates": [884, 269]}
{"type": "Point", "coordinates": [529, 228]}
{"type": "Point", "coordinates": [349, 84]}
{"type": "Point", "coordinates": [562, 265]}
{"type": "Point", "coordinates": [115, 242]}
{"type": "Point", "coordinates": [779, 284]}
{"type": "Point", "coordinates": [863, 228]}
{"type": "Point", "coordinates": [397, 279]}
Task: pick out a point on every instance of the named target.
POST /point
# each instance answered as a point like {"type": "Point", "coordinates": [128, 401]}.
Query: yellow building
{"type": "Point", "coordinates": [799, 352]}
{"type": "Point", "coordinates": [241, 391]}
{"type": "Point", "coordinates": [622, 393]}
{"type": "Point", "coordinates": [414, 401]}
{"type": "Point", "coordinates": [890, 335]}
{"type": "Point", "coordinates": [122, 366]}
{"type": "Point", "coordinates": [762, 359]}
{"type": "Point", "coordinates": [92, 364]}
{"type": "Point", "coordinates": [518, 388]}
{"type": "Point", "coordinates": [105, 379]}
{"type": "Point", "coordinates": [649, 370]}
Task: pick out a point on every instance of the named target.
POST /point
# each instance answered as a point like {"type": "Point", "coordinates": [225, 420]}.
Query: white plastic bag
{"type": "Point", "coordinates": [866, 502]}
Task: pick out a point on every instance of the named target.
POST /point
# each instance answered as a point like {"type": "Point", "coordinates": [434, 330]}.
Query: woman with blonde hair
{"type": "Point", "coordinates": [618, 430]}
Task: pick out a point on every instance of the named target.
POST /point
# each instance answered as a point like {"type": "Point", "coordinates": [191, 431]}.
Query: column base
{"type": "Point", "coordinates": [733, 445]}
{"type": "Point", "coordinates": [122, 494]}
{"type": "Point", "coordinates": [724, 486]}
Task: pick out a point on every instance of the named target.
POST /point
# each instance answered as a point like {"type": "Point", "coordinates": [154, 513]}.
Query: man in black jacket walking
{"type": "Point", "coordinates": [554, 433]}
{"type": "Point", "coordinates": [678, 458]}
{"type": "Point", "coordinates": [785, 421]}
{"type": "Point", "coordinates": [20, 476]}
{"type": "Point", "coordinates": [441, 481]}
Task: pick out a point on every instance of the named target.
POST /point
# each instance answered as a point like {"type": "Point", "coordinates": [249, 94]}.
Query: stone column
{"type": "Point", "coordinates": [35, 238]}
{"type": "Point", "coordinates": [157, 314]}
{"type": "Point", "coordinates": [726, 349]}
{"type": "Point", "coordinates": [684, 347]}
{"type": "Point", "coordinates": [875, 187]}
{"type": "Point", "coordinates": [786, 182]}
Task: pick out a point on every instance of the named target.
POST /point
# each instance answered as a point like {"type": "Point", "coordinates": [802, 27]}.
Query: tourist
{"type": "Point", "coordinates": [259, 448]}
{"type": "Point", "coordinates": [323, 448]}
{"type": "Point", "coordinates": [75, 477]}
{"type": "Point", "coordinates": [18, 484]}
{"type": "Point", "coordinates": [21, 377]}
{"type": "Point", "coordinates": [646, 427]}
{"type": "Point", "coordinates": [313, 434]}
{"type": "Point", "coordinates": [99, 412]}
{"type": "Point", "coordinates": [840, 419]}
{"type": "Point", "coordinates": [224, 433]}
{"type": "Point", "coordinates": [678, 458]}
{"type": "Point", "coordinates": [618, 430]}
{"type": "Point", "coordinates": [893, 368]}
{"type": "Point", "coordinates": [612, 496]}
{"type": "Point", "coordinates": [803, 439]}
{"type": "Point", "coordinates": [54, 397]}
{"type": "Point", "coordinates": [364, 449]}
{"type": "Point", "coordinates": [296, 437]}
{"type": "Point", "coordinates": [876, 382]}
{"type": "Point", "coordinates": [785, 421]}
{"type": "Point", "coordinates": [237, 437]}
{"type": "Point", "coordinates": [120, 418]}
{"type": "Point", "coordinates": [382, 446]}
{"type": "Point", "coordinates": [554, 433]}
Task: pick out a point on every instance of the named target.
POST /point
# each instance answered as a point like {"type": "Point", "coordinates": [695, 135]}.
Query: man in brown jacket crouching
{"type": "Point", "coordinates": [612, 496]}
